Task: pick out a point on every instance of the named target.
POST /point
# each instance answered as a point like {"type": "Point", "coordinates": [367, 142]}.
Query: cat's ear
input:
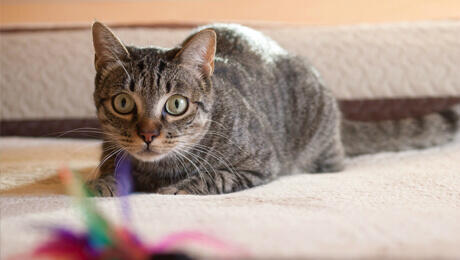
{"type": "Point", "coordinates": [198, 52]}
{"type": "Point", "coordinates": [107, 46]}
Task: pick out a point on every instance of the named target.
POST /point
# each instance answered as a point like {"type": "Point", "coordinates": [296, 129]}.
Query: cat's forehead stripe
{"type": "Point", "coordinates": [161, 66]}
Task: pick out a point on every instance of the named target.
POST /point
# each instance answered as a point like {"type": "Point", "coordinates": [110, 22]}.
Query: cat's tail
{"type": "Point", "coordinates": [410, 133]}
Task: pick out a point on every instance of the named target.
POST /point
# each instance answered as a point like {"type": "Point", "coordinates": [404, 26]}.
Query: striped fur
{"type": "Point", "coordinates": [256, 113]}
{"type": "Point", "coordinates": [411, 133]}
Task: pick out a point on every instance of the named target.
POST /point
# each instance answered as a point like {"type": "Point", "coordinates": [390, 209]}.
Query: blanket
{"type": "Point", "coordinates": [390, 205]}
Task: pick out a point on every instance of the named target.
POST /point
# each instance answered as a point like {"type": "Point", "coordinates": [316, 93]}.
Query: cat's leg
{"type": "Point", "coordinates": [105, 186]}
{"type": "Point", "coordinates": [331, 159]}
{"type": "Point", "coordinates": [220, 181]}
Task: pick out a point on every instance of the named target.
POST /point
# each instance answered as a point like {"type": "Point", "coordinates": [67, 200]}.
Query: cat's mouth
{"type": "Point", "coordinates": [148, 153]}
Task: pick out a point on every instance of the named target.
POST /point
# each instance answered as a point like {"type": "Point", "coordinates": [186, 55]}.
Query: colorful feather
{"type": "Point", "coordinates": [124, 184]}
{"type": "Point", "coordinates": [103, 241]}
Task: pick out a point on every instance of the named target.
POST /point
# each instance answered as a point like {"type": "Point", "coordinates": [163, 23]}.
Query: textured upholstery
{"type": "Point", "coordinates": [386, 206]}
{"type": "Point", "coordinates": [49, 73]}
{"type": "Point", "coordinates": [383, 206]}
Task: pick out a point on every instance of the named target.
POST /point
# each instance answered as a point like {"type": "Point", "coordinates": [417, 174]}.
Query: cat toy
{"type": "Point", "coordinates": [103, 241]}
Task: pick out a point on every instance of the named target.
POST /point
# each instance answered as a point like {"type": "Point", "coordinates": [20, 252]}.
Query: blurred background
{"type": "Point", "coordinates": [382, 59]}
{"type": "Point", "coordinates": [312, 12]}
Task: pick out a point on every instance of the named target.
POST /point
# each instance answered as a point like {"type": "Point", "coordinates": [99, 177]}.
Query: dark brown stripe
{"type": "Point", "coordinates": [359, 110]}
{"type": "Point", "coordinates": [161, 67]}
{"type": "Point", "coordinates": [87, 26]}
{"type": "Point", "coordinates": [50, 128]}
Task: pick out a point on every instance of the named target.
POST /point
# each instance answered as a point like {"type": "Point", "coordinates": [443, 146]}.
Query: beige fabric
{"type": "Point", "coordinates": [50, 74]}
{"type": "Point", "coordinates": [390, 205]}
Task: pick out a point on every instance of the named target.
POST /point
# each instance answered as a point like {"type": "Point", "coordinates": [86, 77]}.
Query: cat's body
{"type": "Point", "coordinates": [258, 113]}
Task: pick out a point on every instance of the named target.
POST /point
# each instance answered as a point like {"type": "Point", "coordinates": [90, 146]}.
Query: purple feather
{"type": "Point", "coordinates": [67, 244]}
{"type": "Point", "coordinates": [123, 175]}
{"type": "Point", "coordinates": [124, 183]}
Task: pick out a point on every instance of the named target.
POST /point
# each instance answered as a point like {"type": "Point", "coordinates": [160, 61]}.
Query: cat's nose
{"type": "Point", "coordinates": [148, 137]}
{"type": "Point", "coordinates": [148, 129]}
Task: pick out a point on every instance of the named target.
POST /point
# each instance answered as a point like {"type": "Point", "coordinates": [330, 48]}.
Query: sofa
{"type": "Point", "coordinates": [390, 205]}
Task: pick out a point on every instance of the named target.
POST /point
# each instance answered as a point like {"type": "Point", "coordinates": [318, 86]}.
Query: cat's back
{"type": "Point", "coordinates": [239, 43]}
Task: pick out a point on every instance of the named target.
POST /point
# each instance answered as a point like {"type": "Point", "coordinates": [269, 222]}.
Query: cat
{"type": "Point", "coordinates": [227, 110]}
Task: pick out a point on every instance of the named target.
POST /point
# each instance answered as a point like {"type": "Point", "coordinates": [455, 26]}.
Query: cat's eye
{"type": "Point", "coordinates": [123, 103]}
{"type": "Point", "coordinates": [176, 105]}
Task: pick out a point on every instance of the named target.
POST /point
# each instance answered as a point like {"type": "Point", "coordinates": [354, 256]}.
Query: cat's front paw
{"type": "Point", "coordinates": [102, 188]}
{"type": "Point", "coordinates": [172, 190]}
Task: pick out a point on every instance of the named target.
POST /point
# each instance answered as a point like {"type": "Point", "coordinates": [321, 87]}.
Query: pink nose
{"type": "Point", "coordinates": [148, 130]}
{"type": "Point", "coordinates": [148, 137]}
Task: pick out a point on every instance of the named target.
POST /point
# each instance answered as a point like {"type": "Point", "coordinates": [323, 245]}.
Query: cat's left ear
{"type": "Point", "coordinates": [198, 52]}
{"type": "Point", "coordinates": [108, 47]}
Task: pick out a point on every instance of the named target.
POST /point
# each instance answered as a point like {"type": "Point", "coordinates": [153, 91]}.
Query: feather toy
{"type": "Point", "coordinates": [103, 241]}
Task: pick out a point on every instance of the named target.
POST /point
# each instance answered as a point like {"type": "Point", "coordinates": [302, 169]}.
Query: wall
{"type": "Point", "coordinates": [314, 12]}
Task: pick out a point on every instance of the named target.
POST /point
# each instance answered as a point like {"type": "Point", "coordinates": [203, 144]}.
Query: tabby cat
{"type": "Point", "coordinates": [226, 110]}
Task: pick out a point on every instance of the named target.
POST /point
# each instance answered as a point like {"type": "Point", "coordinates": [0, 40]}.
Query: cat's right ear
{"type": "Point", "coordinates": [198, 52]}
{"type": "Point", "coordinates": [108, 47]}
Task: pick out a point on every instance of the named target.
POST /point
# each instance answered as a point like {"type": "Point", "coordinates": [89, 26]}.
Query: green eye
{"type": "Point", "coordinates": [123, 104]}
{"type": "Point", "coordinates": [176, 105]}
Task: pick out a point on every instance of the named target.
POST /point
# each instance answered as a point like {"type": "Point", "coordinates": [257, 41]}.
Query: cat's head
{"type": "Point", "coordinates": [152, 102]}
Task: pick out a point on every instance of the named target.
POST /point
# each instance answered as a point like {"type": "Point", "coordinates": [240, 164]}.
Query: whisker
{"type": "Point", "coordinates": [219, 123]}
{"type": "Point", "coordinates": [202, 159]}
{"type": "Point", "coordinates": [121, 64]}
{"type": "Point", "coordinates": [76, 130]}
{"type": "Point", "coordinates": [194, 165]}
{"type": "Point", "coordinates": [179, 159]}
{"type": "Point", "coordinates": [208, 151]}
{"type": "Point", "coordinates": [94, 172]}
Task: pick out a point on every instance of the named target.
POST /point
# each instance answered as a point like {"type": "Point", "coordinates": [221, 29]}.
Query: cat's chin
{"type": "Point", "coordinates": [149, 156]}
